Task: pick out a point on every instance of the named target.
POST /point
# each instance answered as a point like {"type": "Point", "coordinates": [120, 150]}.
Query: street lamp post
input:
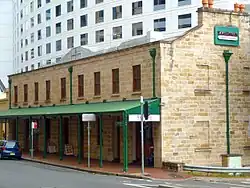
{"type": "Point", "coordinates": [227, 54]}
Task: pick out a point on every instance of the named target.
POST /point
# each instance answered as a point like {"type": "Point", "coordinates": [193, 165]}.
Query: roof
{"type": "Point", "coordinates": [131, 107]}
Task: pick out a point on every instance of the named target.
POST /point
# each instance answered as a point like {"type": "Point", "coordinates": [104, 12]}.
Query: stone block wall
{"type": "Point", "coordinates": [193, 92]}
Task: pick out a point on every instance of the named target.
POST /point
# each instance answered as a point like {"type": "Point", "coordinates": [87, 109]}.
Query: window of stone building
{"type": "Point", "coordinates": [137, 8]}
{"type": "Point", "coordinates": [98, 1]}
{"type": "Point", "coordinates": [47, 1]}
{"type": "Point", "coordinates": [25, 93]}
{"type": "Point", "coordinates": [70, 6]}
{"type": "Point", "coordinates": [184, 21]}
{"type": "Point", "coordinates": [63, 88]}
{"type": "Point", "coordinates": [39, 51]}
{"type": "Point", "coordinates": [31, 6]}
{"type": "Point", "coordinates": [117, 12]}
{"type": "Point", "coordinates": [39, 34]}
{"type": "Point", "coordinates": [115, 81]}
{"type": "Point", "coordinates": [48, 48]}
{"type": "Point", "coordinates": [32, 22]}
{"type": "Point", "coordinates": [97, 82]}
{"type": "Point", "coordinates": [32, 37]}
{"type": "Point", "coordinates": [99, 16]}
{"type": "Point", "coordinates": [159, 4]}
{"type": "Point", "coordinates": [36, 91]}
{"type": "Point", "coordinates": [48, 31]}
{"type": "Point", "coordinates": [80, 85]}
{"type": "Point", "coordinates": [47, 90]}
{"type": "Point", "coordinates": [15, 94]}
{"type": "Point", "coordinates": [58, 10]}
{"type": "Point", "coordinates": [136, 78]}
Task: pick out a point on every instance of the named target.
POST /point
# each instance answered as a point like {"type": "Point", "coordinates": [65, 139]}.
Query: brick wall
{"type": "Point", "coordinates": [194, 118]}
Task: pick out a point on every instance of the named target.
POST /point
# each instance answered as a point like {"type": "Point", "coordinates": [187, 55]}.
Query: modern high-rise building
{"type": "Point", "coordinates": [6, 41]}
{"type": "Point", "coordinates": [46, 30]}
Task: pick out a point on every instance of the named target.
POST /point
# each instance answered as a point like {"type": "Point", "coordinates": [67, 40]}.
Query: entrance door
{"type": "Point", "coordinates": [66, 130]}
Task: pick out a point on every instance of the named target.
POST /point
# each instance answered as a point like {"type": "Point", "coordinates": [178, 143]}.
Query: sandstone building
{"type": "Point", "coordinates": [189, 95]}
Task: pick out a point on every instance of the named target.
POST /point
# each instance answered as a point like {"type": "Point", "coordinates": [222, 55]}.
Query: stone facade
{"type": "Point", "coordinates": [190, 80]}
{"type": "Point", "coordinates": [193, 92]}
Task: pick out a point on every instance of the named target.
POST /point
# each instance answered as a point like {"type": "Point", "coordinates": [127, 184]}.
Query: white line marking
{"type": "Point", "coordinates": [168, 183]}
{"type": "Point", "coordinates": [135, 185]}
{"type": "Point", "coordinates": [232, 184]}
{"type": "Point", "coordinates": [246, 182]}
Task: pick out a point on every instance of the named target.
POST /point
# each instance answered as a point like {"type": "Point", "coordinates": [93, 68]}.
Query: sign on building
{"type": "Point", "coordinates": [226, 36]}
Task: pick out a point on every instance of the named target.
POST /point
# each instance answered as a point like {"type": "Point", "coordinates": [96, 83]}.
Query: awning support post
{"type": "Point", "coordinates": [30, 135]}
{"type": "Point", "coordinates": [101, 142]}
{"type": "Point", "coordinates": [125, 141]}
{"type": "Point", "coordinates": [79, 140]}
{"type": "Point", "coordinates": [61, 138]}
{"type": "Point", "coordinates": [5, 127]}
{"type": "Point", "coordinates": [16, 129]}
{"type": "Point", "coordinates": [45, 138]}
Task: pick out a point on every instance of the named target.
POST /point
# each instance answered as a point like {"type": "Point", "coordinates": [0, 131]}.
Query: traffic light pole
{"type": "Point", "coordinates": [142, 138]}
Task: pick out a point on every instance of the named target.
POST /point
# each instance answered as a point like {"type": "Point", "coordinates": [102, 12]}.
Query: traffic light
{"type": "Point", "coordinates": [146, 110]}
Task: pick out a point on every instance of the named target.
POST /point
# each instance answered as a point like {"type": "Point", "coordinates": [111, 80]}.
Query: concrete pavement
{"type": "Point", "coordinates": [23, 174]}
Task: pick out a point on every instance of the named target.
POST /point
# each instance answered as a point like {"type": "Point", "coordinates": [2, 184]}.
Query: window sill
{"type": "Point", "coordinates": [97, 97]}
{"type": "Point", "coordinates": [47, 101]}
{"type": "Point", "coordinates": [136, 93]}
{"type": "Point", "coordinates": [25, 103]}
{"type": "Point", "coordinates": [62, 100]}
{"type": "Point", "coordinates": [115, 95]}
{"type": "Point", "coordinates": [80, 98]}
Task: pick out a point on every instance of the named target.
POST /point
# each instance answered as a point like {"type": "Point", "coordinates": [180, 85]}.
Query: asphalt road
{"type": "Point", "coordinates": [22, 174]}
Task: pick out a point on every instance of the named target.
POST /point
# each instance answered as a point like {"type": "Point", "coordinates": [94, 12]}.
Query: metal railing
{"type": "Point", "coordinates": [210, 169]}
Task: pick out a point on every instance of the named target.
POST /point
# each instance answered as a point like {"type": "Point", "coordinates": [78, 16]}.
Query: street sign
{"type": "Point", "coordinates": [137, 118]}
{"type": "Point", "coordinates": [34, 125]}
{"type": "Point", "coordinates": [88, 117]}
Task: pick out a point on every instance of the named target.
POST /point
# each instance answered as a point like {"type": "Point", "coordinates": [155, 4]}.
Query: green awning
{"type": "Point", "coordinates": [132, 107]}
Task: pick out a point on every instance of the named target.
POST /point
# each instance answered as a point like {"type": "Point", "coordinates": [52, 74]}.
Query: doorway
{"type": "Point", "coordinates": [116, 139]}
{"type": "Point", "coordinates": [148, 143]}
{"type": "Point", "coordinates": [26, 135]}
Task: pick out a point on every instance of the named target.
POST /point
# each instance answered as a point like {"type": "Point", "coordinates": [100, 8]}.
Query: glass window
{"type": "Point", "coordinates": [48, 14]}
{"type": "Point", "coordinates": [117, 32]}
{"type": "Point", "coordinates": [84, 39]}
{"type": "Point", "coordinates": [39, 51]}
{"type": "Point", "coordinates": [84, 20]}
{"type": "Point", "coordinates": [48, 48]}
{"type": "Point", "coordinates": [32, 22]}
{"type": "Point", "coordinates": [159, 5]}
{"type": "Point", "coordinates": [39, 19]}
{"type": "Point", "coordinates": [83, 3]}
{"type": "Point", "coordinates": [137, 8]}
{"type": "Point", "coordinates": [58, 45]}
{"type": "Point", "coordinates": [160, 24]}
{"type": "Point", "coordinates": [32, 37]}
{"type": "Point", "coordinates": [70, 24]}
{"type": "Point", "coordinates": [58, 10]}
{"type": "Point", "coordinates": [137, 29]}
{"type": "Point", "coordinates": [184, 21]}
{"type": "Point", "coordinates": [39, 3]}
{"type": "Point", "coordinates": [184, 2]}
{"type": "Point", "coordinates": [98, 1]}
{"type": "Point", "coordinates": [48, 31]}
{"type": "Point", "coordinates": [39, 34]}
{"type": "Point", "coordinates": [99, 36]}
{"type": "Point", "coordinates": [70, 6]}
{"type": "Point", "coordinates": [117, 12]}
{"type": "Point", "coordinates": [58, 28]}
{"type": "Point", "coordinates": [99, 16]}
{"type": "Point", "coordinates": [70, 42]}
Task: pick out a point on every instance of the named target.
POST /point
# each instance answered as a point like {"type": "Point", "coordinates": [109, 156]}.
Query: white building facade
{"type": "Point", "coordinates": [6, 40]}
{"type": "Point", "coordinates": [46, 30]}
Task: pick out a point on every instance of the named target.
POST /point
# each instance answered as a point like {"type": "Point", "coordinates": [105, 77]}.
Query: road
{"type": "Point", "coordinates": [23, 174]}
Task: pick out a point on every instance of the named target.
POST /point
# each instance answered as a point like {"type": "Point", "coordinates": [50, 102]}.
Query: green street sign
{"type": "Point", "coordinates": [226, 36]}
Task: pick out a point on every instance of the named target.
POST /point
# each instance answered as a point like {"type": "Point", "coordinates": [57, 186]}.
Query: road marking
{"type": "Point", "coordinates": [232, 184]}
{"type": "Point", "coordinates": [135, 185]}
{"type": "Point", "coordinates": [245, 182]}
